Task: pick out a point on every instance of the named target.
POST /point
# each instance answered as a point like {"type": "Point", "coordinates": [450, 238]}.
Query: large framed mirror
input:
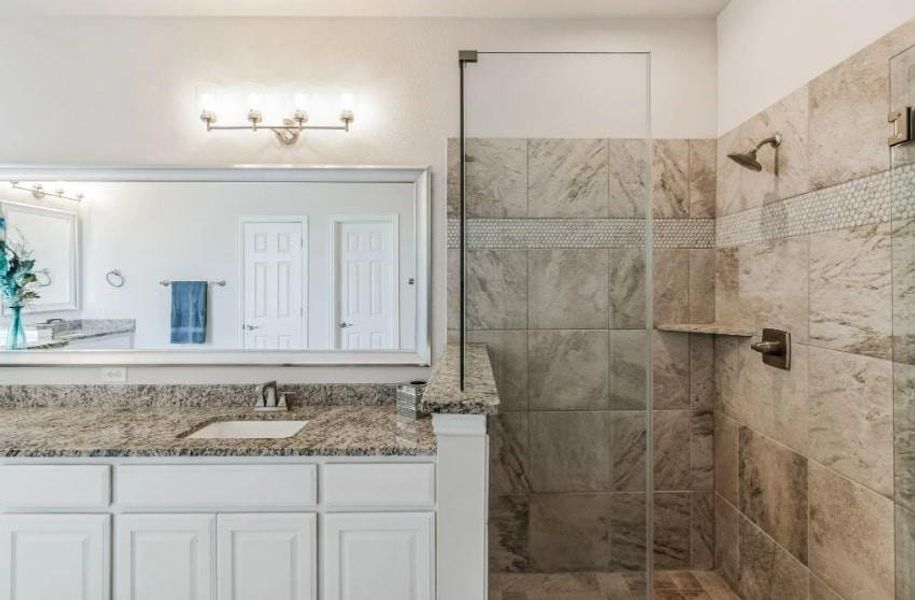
{"type": "Point", "coordinates": [259, 265]}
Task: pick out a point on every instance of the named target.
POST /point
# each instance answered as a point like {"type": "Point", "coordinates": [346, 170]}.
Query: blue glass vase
{"type": "Point", "coordinates": [16, 339]}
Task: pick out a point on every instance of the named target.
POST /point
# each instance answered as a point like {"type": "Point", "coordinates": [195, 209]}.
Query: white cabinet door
{"type": "Point", "coordinates": [378, 556]}
{"type": "Point", "coordinates": [165, 557]}
{"type": "Point", "coordinates": [54, 557]}
{"type": "Point", "coordinates": [262, 556]}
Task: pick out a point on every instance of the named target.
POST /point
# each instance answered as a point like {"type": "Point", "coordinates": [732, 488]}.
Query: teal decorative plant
{"type": "Point", "coordinates": [18, 280]}
{"type": "Point", "coordinates": [18, 277]}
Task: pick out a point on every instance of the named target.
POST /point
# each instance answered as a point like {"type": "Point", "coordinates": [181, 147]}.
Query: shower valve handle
{"type": "Point", "coordinates": [774, 348]}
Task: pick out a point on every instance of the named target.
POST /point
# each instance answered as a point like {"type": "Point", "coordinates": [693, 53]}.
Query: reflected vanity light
{"type": "Point", "coordinates": [37, 190]}
{"type": "Point", "coordinates": [213, 101]}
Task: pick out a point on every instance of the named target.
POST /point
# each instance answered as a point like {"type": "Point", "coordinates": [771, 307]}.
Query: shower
{"type": "Point", "coordinates": [748, 159]}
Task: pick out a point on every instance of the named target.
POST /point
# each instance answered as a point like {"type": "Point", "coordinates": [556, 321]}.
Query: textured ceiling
{"type": "Point", "coordinates": [555, 9]}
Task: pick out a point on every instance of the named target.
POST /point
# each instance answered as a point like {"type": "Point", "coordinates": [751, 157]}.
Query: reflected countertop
{"type": "Point", "coordinates": [63, 332]}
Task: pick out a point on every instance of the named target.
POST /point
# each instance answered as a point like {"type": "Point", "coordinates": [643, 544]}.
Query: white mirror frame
{"type": "Point", "coordinates": [72, 219]}
{"type": "Point", "coordinates": [419, 177]}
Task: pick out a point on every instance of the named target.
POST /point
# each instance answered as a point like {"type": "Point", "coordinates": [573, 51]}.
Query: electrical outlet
{"type": "Point", "coordinates": [114, 374]}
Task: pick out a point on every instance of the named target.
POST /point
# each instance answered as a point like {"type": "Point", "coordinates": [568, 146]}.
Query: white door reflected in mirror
{"type": "Point", "coordinates": [366, 292]}
{"type": "Point", "coordinates": [273, 263]}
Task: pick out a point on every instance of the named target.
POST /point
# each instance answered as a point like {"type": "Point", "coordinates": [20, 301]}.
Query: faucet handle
{"type": "Point", "coordinates": [268, 398]}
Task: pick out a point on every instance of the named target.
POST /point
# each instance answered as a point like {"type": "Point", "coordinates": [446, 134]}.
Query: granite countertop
{"type": "Point", "coordinates": [147, 431]}
{"type": "Point", "coordinates": [153, 421]}
{"type": "Point", "coordinates": [443, 393]}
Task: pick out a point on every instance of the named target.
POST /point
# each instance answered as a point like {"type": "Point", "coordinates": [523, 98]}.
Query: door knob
{"type": "Point", "coordinates": [251, 327]}
{"type": "Point", "coordinates": [344, 325]}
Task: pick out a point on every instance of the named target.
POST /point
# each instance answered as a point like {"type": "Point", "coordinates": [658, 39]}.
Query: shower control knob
{"type": "Point", "coordinates": [344, 325]}
{"type": "Point", "coordinates": [775, 348]}
{"type": "Point", "coordinates": [768, 347]}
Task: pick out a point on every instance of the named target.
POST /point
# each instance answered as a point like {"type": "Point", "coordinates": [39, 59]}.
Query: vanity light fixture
{"type": "Point", "coordinates": [37, 190]}
{"type": "Point", "coordinates": [292, 126]}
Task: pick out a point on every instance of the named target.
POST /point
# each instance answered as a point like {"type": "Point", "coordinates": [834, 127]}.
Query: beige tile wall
{"type": "Point", "coordinates": [566, 330]}
{"type": "Point", "coordinates": [814, 486]}
{"type": "Point", "coordinates": [813, 470]}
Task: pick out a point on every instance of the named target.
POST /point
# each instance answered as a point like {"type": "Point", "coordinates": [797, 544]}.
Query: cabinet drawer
{"type": "Point", "coordinates": [216, 486]}
{"type": "Point", "coordinates": [401, 485]}
{"type": "Point", "coordinates": [54, 486]}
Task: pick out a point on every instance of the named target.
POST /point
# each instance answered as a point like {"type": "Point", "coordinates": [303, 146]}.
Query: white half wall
{"type": "Point", "coordinates": [769, 48]}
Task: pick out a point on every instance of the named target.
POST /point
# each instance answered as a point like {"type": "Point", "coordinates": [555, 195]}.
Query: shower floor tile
{"type": "Point", "coordinates": [668, 585]}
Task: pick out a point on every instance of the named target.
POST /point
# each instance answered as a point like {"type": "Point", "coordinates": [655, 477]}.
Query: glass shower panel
{"type": "Point", "coordinates": [902, 97]}
{"type": "Point", "coordinates": [557, 249]}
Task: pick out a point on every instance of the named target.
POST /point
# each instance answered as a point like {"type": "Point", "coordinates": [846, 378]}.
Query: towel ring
{"type": "Point", "coordinates": [114, 278]}
{"type": "Point", "coordinates": [47, 282]}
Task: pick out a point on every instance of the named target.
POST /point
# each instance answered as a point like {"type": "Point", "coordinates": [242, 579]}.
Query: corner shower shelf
{"type": "Point", "coordinates": [709, 328]}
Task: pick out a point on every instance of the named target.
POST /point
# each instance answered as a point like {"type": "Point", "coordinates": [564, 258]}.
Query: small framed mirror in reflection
{"type": "Point", "coordinates": [247, 265]}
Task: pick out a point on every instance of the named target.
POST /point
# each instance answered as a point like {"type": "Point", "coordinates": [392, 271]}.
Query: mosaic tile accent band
{"type": "Point", "coordinates": [868, 200]}
{"type": "Point", "coordinates": [873, 199]}
{"type": "Point", "coordinates": [581, 233]}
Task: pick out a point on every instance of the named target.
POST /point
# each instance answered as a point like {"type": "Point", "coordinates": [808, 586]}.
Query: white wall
{"type": "Point", "coordinates": [109, 90]}
{"type": "Point", "coordinates": [558, 96]}
{"type": "Point", "coordinates": [769, 48]}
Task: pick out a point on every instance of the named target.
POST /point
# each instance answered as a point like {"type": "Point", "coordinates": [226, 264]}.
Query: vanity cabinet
{"type": "Point", "coordinates": [371, 556]}
{"type": "Point", "coordinates": [267, 556]}
{"type": "Point", "coordinates": [209, 556]}
{"type": "Point", "coordinates": [106, 342]}
{"type": "Point", "coordinates": [54, 557]}
{"type": "Point", "coordinates": [221, 530]}
{"type": "Point", "coordinates": [167, 557]}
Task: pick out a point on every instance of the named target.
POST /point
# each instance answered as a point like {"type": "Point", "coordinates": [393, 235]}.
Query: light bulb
{"type": "Point", "coordinates": [347, 108]}
{"type": "Point", "coordinates": [207, 103]}
{"type": "Point", "coordinates": [301, 102]}
{"type": "Point", "coordinates": [347, 102]}
{"type": "Point", "coordinates": [300, 99]}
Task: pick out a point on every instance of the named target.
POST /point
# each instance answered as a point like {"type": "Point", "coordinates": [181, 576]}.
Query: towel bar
{"type": "Point", "coordinates": [219, 282]}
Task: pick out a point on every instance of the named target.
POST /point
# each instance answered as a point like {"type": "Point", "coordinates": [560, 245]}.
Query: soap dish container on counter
{"type": "Point", "coordinates": [409, 400]}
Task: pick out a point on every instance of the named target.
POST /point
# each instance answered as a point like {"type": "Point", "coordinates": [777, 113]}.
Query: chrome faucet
{"type": "Point", "coordinates": [268, 399]}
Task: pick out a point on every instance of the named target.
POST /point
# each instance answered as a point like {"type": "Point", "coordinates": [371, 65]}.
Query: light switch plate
{"type": "Point", "coordinates": [114, 374]}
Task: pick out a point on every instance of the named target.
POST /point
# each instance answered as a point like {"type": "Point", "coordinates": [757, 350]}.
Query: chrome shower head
{"type": "Point", "coordinates": [748, 159]}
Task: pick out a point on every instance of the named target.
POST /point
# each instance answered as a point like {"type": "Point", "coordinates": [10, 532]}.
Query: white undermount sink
{"type": "Point", "coordinates": [249, 429]}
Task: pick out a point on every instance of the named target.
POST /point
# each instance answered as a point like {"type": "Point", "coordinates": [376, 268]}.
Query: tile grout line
{"type": "Point", "coordinates": [810, 572]}
{"type": "Point", "coordinates": [811, 459]}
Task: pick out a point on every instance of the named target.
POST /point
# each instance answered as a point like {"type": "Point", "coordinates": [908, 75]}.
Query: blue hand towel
{"type": "Point", "coordinates": [189, 312]}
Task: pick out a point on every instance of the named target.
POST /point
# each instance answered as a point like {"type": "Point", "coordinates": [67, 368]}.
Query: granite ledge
{"type": "Point", "coordinates": [479, 396]}
{"type": "Point", "coordinates": [708, 328]}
